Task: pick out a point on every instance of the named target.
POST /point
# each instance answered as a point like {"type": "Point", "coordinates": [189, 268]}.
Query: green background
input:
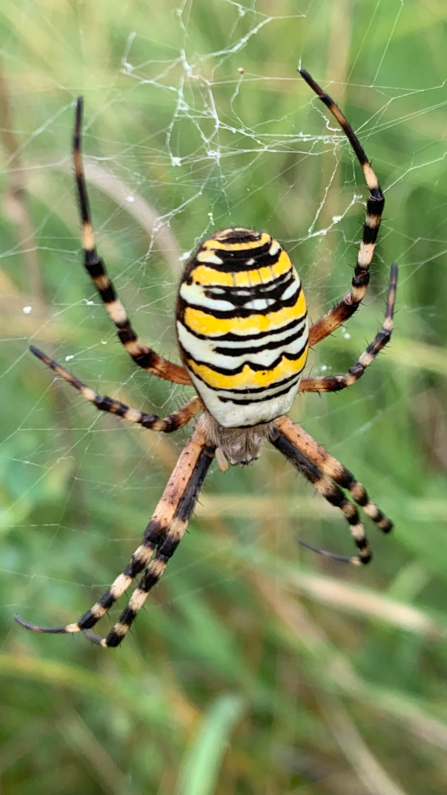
{"type": "Point", "coordinates": [257, 667]}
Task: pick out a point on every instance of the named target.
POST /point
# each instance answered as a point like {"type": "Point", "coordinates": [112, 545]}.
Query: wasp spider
{"type": "Point", "coordinates": [243, 337]}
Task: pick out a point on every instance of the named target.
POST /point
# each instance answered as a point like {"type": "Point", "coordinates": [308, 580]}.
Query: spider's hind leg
{"type": "Point", "coordinates": [374, 210]}
{"type": "Point", "coordinates": [145, 357]}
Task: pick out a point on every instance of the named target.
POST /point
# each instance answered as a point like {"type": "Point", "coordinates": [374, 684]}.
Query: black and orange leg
{"type": "Point", "coordinates": [142, 355]}
{"type": "Point", "coordinates": [285, 443]}
{"type": "Point", "coordinates": [175, 420]}
{"type": "Point", "coordinates": [374, 209]}
{"type": "Point", "coordinates": [162, 536]}
{"type": "Point", "coordinates": [334, 469]}
{"type": "Point", "coordinates": [337, 382]}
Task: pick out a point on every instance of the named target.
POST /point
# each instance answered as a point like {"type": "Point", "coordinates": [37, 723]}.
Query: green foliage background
{"type": "Point", "coordinates": [257, 667]}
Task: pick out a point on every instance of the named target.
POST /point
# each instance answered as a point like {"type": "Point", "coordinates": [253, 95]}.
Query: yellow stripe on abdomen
{"type": "Point", "coordinates": [248, 378]}
{"type": "Point", "coordinates": [225, 245]}
{"type": "Point", "coordinates": [207, 275]}
{"type": "Point", "coordinates": [204, 323]}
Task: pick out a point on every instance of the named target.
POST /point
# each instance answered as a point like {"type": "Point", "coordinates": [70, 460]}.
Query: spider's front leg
{"type": "Point", "coordinates": [326, 474]}
{"type": "Point", "coordinates": [282, 438]}
{"type": "Point", "coordinates": [334, 469]}
{"type": "Point", "coordinates": [145, 357]}
{"type": "Point", "coordinates": [374, 209]}
{"type": "Point", "coordinates": [162, 536]}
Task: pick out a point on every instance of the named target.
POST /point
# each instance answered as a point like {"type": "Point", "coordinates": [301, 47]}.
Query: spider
{"type": "Point", "coordinates": [243, 337]}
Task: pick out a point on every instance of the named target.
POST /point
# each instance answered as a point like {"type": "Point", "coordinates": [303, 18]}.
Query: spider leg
{"type": "Point", "coordinates": [161, 536]}
{"type": "Point", "coordinates": [337, 382]}
{"type": "Point", "coordinates": [142, 355]}
{"type": "Point", "coordinates": [284, 441]}
{"type": "Point", "coordinates": [374, 209]}
{"type": "Point", "coordinates": [334, 469]}
{"type": "Point", "coordinates": [175, 420]}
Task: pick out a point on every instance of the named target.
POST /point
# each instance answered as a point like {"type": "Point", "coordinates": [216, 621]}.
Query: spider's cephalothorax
{"type": "Point", "coordinates": [243, 338]}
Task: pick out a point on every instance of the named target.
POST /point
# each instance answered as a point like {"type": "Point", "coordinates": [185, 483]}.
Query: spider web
{"type": "Point", "coordinates": [201, 122]}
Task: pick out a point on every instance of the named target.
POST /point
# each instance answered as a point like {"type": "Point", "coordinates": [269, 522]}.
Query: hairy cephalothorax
{"type": "Point", "coordinates": [243, 337]}
{"type": "Point", "coordinates": [236, 445]}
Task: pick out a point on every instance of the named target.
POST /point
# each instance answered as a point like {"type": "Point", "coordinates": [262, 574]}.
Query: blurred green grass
{"type": "Point", "coordinates": [257, 668]}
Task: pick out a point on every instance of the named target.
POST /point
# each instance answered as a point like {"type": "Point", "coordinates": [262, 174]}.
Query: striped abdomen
{"type": "Point", "coordinates": [242, 327]}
